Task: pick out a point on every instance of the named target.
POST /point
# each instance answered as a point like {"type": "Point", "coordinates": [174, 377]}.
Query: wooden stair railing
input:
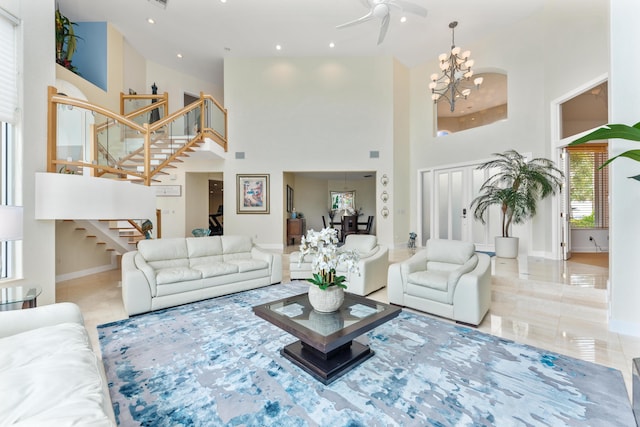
{"type": "Point", "coordinates": [144, 155]}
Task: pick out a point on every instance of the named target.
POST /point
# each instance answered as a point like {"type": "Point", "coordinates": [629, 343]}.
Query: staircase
{"type": "Point", "coordinates": [125, 146]}
{"type": "Point", "coordinates": [118, 236]}
{"type": "Point", "coordinates": [117, 146]}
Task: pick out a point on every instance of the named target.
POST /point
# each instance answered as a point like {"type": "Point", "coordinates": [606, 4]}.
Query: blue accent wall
{"type": "Point", "coordinates": [91, 55]}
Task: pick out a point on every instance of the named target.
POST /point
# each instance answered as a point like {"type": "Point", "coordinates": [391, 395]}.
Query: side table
{"type": "Point", "coordinates": [19, 297]}
{"type": "Point", "coordinates": [296, 228]}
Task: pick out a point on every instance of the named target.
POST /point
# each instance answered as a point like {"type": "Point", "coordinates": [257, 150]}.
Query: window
{"type": "Point", "coordinates": [589, 186]}
{"type": "Point", "coordinates": [8, 108]}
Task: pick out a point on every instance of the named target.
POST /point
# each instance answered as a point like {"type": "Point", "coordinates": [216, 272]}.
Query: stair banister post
{"type": "Point", "coordinates": [165, 104]}
{"type": "Point", "coordinates": [203, 111]}
{"type": "Point", "coordinates": [52, 120]}
{"type": "Point", "coordinates": [147, 154]}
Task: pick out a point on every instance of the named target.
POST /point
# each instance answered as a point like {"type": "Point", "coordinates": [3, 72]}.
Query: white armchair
{"type": "Point", "coordinates": [448, 279]}
{"type": "Point", "coordinates": [373, 264]}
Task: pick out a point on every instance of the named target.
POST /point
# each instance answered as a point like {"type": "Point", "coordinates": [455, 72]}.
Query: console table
{"type": "Point", "coordinates": [296, 227]}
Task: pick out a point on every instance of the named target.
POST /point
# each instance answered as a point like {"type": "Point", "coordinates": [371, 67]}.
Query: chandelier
{"type": "Point", "coordinates": [454, 82]}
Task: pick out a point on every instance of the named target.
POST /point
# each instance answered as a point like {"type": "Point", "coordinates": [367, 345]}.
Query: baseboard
{"type": "Point", "coordinates": [87, 272]}
{"type": "Point", "coordinates": [626, 328]}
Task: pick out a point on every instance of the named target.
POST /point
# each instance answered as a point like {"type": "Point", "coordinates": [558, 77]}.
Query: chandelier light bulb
{"type": "Point", "coordinates": [470, 63]}
{"type": "Point", "coordinates": [478, 81]}
{"type": "Point", "coordinates": [432, 85]}
{"type": "Point", "coordinates": [466, 54]}
{"type": "Point", "coordinates": [466, 92]}
{"type": "Point", "coordinates": [455, 51]}
{"type": "Point", "coordinates": [434, 76]}
{"type": "Point", "coordinates": [435, 96]}
{"type": "Point", "coordinates": [444, 66]}
{"type": "Point", "coordinates": [468, 74]}
{"type": "Point", "coordinates": [442, 57]}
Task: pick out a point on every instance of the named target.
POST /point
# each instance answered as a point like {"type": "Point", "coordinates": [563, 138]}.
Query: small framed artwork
{"type": "Point", "coordinates": [289, 199]}
{"type": "Point", "coordinates": [342, 200]}
{"type": "Point", "coordinates": [252, 194]}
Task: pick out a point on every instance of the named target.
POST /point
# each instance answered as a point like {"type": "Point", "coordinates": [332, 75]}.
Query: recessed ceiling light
{"type": "Point", "coordinates": [403, 19]}
{"type": "Point", "coordinates": [223, 1]}
{"type": "Point", "coordinates": [151, 21]}
{"type": "Point", "coordinates": [332, 45]}
{"type": "Point", "coordinates": [179, 55]}
{"type": "Point", "coordinates": [278, 47]}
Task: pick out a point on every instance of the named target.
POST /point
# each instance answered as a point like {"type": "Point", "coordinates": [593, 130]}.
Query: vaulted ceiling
{"type": "Point", "coordinates": [205, 32]}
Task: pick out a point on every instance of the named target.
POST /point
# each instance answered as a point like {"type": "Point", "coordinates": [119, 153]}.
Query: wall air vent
{"type": "Point", "coordinates": [160, 3]}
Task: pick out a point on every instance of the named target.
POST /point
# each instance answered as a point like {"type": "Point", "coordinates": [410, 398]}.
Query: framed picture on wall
{"type": "Point", "coordinates": [289, 199]}
{"type": "Point", "coordinates": [341, 200]}
{"type": "Point", "coordinates": [252, 194]}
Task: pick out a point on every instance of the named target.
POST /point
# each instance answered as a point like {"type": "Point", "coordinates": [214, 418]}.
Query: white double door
{"type": "Point", "coordinates": [446, 213]}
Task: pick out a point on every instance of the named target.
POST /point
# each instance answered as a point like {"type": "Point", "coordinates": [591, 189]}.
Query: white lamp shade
{"type": "Point", "coordinates": [10, 223]}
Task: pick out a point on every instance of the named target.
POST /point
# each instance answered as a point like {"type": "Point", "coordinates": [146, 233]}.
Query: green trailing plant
{"type": "Point", "coordinates": [66, 41]}
{"type": "Point", "coordinates": [615, 131]}
{"type": "Point", "coordinates": [516, 187]}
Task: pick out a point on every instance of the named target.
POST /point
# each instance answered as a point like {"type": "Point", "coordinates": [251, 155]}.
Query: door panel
{"type": "Point", "coordinates": [452, 190]}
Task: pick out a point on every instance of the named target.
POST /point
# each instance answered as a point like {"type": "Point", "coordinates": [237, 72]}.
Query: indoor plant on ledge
{"type": "Point", "coordinates": [516, 187]}
{"type": "Point", "coordinates": [327, 291]}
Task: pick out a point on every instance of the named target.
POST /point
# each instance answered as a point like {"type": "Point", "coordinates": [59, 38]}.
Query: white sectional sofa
{"type": "Point", "coordinates": [168, 272]}
{"type": "Point", "coordinates": [49, 375]}
{"type": "Point", "coordinates": [373, 264]}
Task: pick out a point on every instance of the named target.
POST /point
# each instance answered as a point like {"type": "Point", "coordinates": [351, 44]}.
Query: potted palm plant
{"type": "Point", "coordinates": [516, 187]}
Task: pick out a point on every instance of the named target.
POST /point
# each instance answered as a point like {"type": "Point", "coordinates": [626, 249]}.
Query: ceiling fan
{"type": "Point", "coordinates": [381, 9]}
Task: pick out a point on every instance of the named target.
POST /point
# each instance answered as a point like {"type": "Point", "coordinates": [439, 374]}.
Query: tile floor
{"type": "Point", "coordinates": [559, 306]}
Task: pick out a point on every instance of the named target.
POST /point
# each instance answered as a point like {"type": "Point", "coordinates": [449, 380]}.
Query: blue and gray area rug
{"type": "Point", "coordinates": [214, 363]}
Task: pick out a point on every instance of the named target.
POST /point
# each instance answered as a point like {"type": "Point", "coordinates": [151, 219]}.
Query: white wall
{"type": "Point", "coordinates": [176, 84]}
{"type": "Point", "coordinates": [197, 201]}
{"type": "Point", "coordinates": [66, 196]}
{"type": "Point", "coordinates": [624, 93]}
{"type": "Point", "coordinates": [134, 70]}
{"type": "Point", "coordinates": [38, 72]}
{"type": "Point", "coordinates": [304, 114]}
{"type": "Point", "coordinates": [536, 54]}
{"type": "Point", "coordinates": [175, 222]}
{"type": "Point", "coordinates": [581, 240]}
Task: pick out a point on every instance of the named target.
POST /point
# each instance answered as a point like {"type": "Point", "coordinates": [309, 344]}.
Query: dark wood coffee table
{"type": "Point", "coordinates": [326, 348]}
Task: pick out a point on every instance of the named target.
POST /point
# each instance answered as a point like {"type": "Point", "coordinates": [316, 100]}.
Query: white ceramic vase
{"type": "Point", "coordinates": [326, 301]}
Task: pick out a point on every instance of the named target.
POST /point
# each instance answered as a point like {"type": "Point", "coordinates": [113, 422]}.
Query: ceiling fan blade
{"type": "Point", "coordinates": [384, 27]}
{"type": "Point", "coordinates": [365, 18]}
{"type": "Point", "coordinates": [409, 7]}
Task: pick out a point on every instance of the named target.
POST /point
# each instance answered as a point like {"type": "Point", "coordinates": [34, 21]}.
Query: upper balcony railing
{"type": "Point", "coordinates": [86, 138]}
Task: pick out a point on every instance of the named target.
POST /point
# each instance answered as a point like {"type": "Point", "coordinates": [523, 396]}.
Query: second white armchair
{"type": "Point", "coordinates": [373, 264]}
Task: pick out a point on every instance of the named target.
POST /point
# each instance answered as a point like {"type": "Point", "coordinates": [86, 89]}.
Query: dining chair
{"type": "Point", "coordinates": [349, 225]}
{"type": "Point", "coordinates": [367, 229]}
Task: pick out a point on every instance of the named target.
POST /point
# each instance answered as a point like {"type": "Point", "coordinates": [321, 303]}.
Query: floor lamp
{"type": "Point", "coordinates": [10, 223]}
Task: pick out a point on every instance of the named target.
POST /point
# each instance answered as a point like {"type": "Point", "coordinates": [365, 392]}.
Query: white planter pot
{"type": "Point", "coordinates": [507, 247]}
{"type": "Point", "coordinates": [326, 301]}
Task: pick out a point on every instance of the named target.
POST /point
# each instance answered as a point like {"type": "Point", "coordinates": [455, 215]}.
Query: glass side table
{"type": "Point", "coordinates": [19, 297]}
